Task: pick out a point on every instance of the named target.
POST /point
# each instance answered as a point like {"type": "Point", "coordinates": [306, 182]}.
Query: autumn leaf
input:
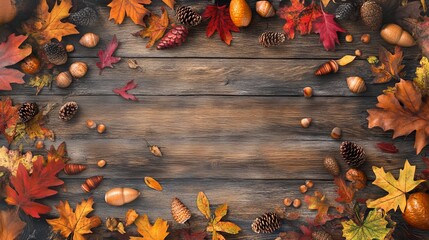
{"type": "Point", "coordinates": [426, 171]}
{"type": "Point", "coordinates": [345, 193]}
{"type": "Point", "coordinates": [320, 203]}
{"type": "Point", "coordinates": [40, 81]}
{"type": "Point", "coordinates": [11, 159]}
{"type": "Point", "coordinates": [27, 188]}
{"type": "Point", "coordinates": [327, 28]}
{"type": "Point", "coordinates": [396, 189]}
{"type": "Point", "coordinates": [123, 92]}
{"type": "Point", "coordinates": [11, 225]}
{"type": "Point", "coordinates": [105, 56]}
{"type": "Point", "coordinates": [402, 111]}
{"type": "Point", "coordinates": [75, 223]}
{"type": "Point", "coordinates": [59, 154]}
{"type": "Point", "coordinates": [387, 147]}
{"type": "Point", "coordinates": [48, 25]}
{"type": "Point", "coordinates": [347, 59]}
{"type": "Point", "coordinates": [156, 29]}
{"type": "Point", "coordinates": [422, 76]}
{"type": "Point", "coordinates": [152, 183]}
{"type": "Point", "coordinates": [170, 3]}
{"type": "Point", "coordinates": [8, 117]}
{"type": "Point", "coordinates": [203, 205]}
{"type": "Point", "coordinates": [132, 8]}
{"type": "Point", "coordinates": [35, 128]}
{"type": "Point", "coordinates": [220, 21]}
{"type": "Point", "coordinates": [157, 231]}
{"type": "Point", "coordinates": [325, 2]}
{"type": "Point", "coordinates": [390, 66]}
{"type": "Point", "coordinates": [130, 217]}
{"type": "Point", "coordinates": [187, 235]}
{"type": "Point", "coordinates": [422, 34]}
{"type": "Point", "coordinates": [10, 53]}
{"type": "Point", "coordinates": [373, 227]}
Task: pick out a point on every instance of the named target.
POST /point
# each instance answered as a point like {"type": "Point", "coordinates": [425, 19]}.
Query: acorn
{"type": "Point", "coordinates": [69, 48]}
{"type": "Point", "coordinates": [356, 84]}
{"type": "Point", "coordinates": [63, 79]}
{"type": "Point", "coordinates": [357, 177]}
{"type": "Point", "coordinates": [101, 128]}
{"type": "Point", "coordinates": [394, 34]}
{"type": "Point", "coordinates": [68, 110]}
{"type": "Point", "coordinates": [305, 122]}
{"type": "Point", "coordinates": [89, 40]}
{"type": "Point", "coordinates": [265, 9]}
{"type": "Point", "coordinates": [416, 211]}
{"type": "Point", "coordinates": [179, 211]}
{"type": "Point", "coordinates": [56, 53]}
{"type": "Point", "coordinates": [120, 196]}
{"type": "Point", "coordinates": [331, 164]}
{"type": "Point", "coordinates": [372, 15]}
{"type": "Point", "coordinates": [296, 203]}
{"type": "Point", "coordinates": [101, 163]}
{"type": "Point", "coordinates": [73, 169]}
{"type": "Point", "coordinates": [308, 92]}
{"type": "Point", "coordinates": [91, 183]}
{"type": "Point", "coordinates": [91, 124]}
{"type": "Point", "coordinates": [30, 65]}
{"type": "Point", "coordinates": [336, 133]}
{"type": "Point", "coordinates": [327, 67]}
{"type": "Point", "coordinates": [78, 69]}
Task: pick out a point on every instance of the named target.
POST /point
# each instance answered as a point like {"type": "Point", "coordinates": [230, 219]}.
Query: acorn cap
{"type": "Point", "coordinates": [56, 53]}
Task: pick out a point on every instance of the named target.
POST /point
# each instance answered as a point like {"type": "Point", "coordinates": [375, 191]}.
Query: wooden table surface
{"type": "Point", "coordinates": [227, 117]}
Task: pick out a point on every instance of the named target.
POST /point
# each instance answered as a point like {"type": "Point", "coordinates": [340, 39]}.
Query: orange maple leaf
{"type": "Point", "coordinates": [403, 111]}
{"type": "Point", "coordinates": [132, 8]}
{"type": "Point", "coordinates": [320, 203]}
{"type": "Point", "coordinates": [8, 117]}
{"type": "Point", "coordinates": [345, 193]}
{"type": "Point", "coordinates": [390, 66]}
{"type": "Point", "coordinates": [11, 225]}
{"type": "Point", "coordinates": [47, 25]}
{"type": "Point", "coordinates": [156, 29]}
{"type": "Point", "coordinates": [59, 154]}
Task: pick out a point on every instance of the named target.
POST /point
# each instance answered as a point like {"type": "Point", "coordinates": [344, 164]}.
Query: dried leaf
{"type": "Point", "coordinates": [132, 63]}
{"type": "Point", "coordinates": [105, 56]}
{"type": "Point", "coordinates": [40, 81]}
{"type": "Point", "coordinates": [11, 225]}
{"type": "Point", "coordinates": [170, 3]}
{"type": "Point", "coordinates": [220, 21]}
{"type": "Point", "coordinates": [396, 189]}
{"type": "Point", "coordinates": [345, 193]}
{"type": "Point", "coordinates": [123, 92]}
{"type": "Point", "coordinates": [203, 205]}
{"type": "Point", "coordinates": [10, 53]}
{"type": "Point", "coordinates": [325, 2]}
{"type": "Point", "coordinates": [390, 66]}
{"type": "Point", "coordinates": [132, 8]}
{"type": "Point", "coordinates": [75, 223]}
{"type": "Point", "coordinates": [8, 118]}
{"type": "Point", "coordinates": [402, 111]}
{"type": "Point", "coordinates": [318, 202]}
{"type": "Point", "coordinates": [152, 183]}
{"type": "Point", "coordinates": [11, 159]}
{"type": "Point", "coordinates": [156, 29]}
{"type": "Point", "coordinates": [59, 154]}
{"type": "Point", "coordinates": [187, 235]}
{"type": "Point", "coordinates": [372, 60]}
{"type": "Point", "coordinates": [327, 28]}
{"type": "Point", "coordinates": [113, 224]}
{"type": "Point", "coordinates": [155, 150]}
{"type": "Point", "coordinates": [422, 76]}
{"type": "Point", "coordinates": [374, 227]}
{"type": "Point", "coordinates": [426, 171]}
{"type": "Point", "coordinates": [422, 34]}
{"type": "Point", "coordinates": [157, 231]}
{"type": "Point", "coordinates": [387, 147]}
{"type": "Point", "coordinates": [346, 60]}
{"type": "Point", "coordinates": [48, 25]}
{"type": "Point", "coordinates": [35, 128]}
{"type": "Point", "coordinates": [130, 217]}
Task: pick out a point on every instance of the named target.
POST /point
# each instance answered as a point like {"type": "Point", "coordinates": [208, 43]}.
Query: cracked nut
{"type": "Point", "coordinates": [357, 177]}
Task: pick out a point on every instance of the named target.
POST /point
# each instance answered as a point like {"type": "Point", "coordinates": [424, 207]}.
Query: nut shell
{"type": "Point", "coordinates": [89, 40]}
{"type": "Point", "coordinates": [121, 196]}
{"type": "Point", "coordinates": [417, 211]}
{"type": "Point", "coordinates": [63, 79]}
{"type": "Point", "coordinates": [240, 13]}
{"type": "Point", "coordinates": [356, 84]}
{"type": "Point", "coordinates": [78, 69]}
{"type": "Point", "coordinates": [265, 9]}
{"type": "Point", "coordinates": [394, 34]}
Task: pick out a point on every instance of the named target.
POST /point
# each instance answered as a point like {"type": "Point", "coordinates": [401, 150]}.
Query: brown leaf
{"type": "Point", "coordinates": [11, 225]}
{"type": "Point", "coordinates": [390, 66]}
{"type": "Point", "coordinates": [156, 29]}
{"type": "Point", "coordinates": [345, 193]}
{"type": "Point", "coordinates": [318, 202]}
{"type": "Point", "coordinates": [132, 8]}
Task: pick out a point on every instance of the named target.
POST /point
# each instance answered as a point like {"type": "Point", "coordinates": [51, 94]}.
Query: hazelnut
{"type": "Point", "coordinates": [303, 189]}
{"type": "Point", "coordinates": [101, 163]}
{"type": "Point", "coordinates": [358, 53]}
{"type": "Point", "coordinates": [40, 144]}
{"type": "Point", "coordinates": [69, 48]}
{"type": "Point", "coordinates": [308, 92]}
{"type": "Point", "coordinates": [101, 128]}
{"type": "Point", "coordinates": [365, 38]}
{"type": "Point", "coordinates": [336, 133]}
{"type": "Point", "coordinates": [349, 38]}
{"type": "Point", "coordinates": [287, 202]}
{"type": "Point", "coordinates": [91, 124]}
{"type": "Point", "coordinates": [305, 122]}
{"type": "Point", "coordinates": [296, 203]}
{"type": "Point", "coordinates": [357, 177]}
{"type": "Point", "coordinates": [63, 79]}
{"type": "Point", "coordinates": [309, 183]}
{"type": "Point", "coordinates": [78, 69]}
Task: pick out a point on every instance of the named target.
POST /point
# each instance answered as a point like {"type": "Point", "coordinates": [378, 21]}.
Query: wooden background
{"type": "Point", "coordinates": [227, 117]}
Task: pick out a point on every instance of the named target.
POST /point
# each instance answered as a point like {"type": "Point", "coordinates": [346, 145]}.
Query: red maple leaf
{"type": "Point", "coordinates": [345, 193]}
{"type": "Point", "coordinates": [124, 91]}
{"type": "Point", "coordinates": [8, 117]}
{"type": "Point", "coordinates": [220, 21]}
{"type": "Point", "coordinates": [327, 28]}
{"type": "Point", "coordinates": [27, 188]}
{"type": "Point", "coordinates": [106, 58]}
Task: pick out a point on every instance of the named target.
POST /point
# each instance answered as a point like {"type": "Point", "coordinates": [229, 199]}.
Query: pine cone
{"type": "Point", "coordinates": [179, 211]}
{"type": "Point", "coordinates": [68, 110]}
{"type": "Point", "coordinates": [84, 17]}
{"type": "Point", "coordinates": [346, 10]}
{"type": "Point", "coordinates": [27, 111]}
{"type": "Point", "coordinates": [332, 166]}
{"type": "Point", "coordinates": [321, 235]}
{"type": "Point", "coordinates": [372, 15]}
{"type": "Point", "coordinates": [186, 16]}
{"type": "Point", "coordinates": [175, 37]}
{"type": "Point", "coordinates": [267, 223]}
{"type": "Point", "coordinates": [268, 39]}
{"type": "Point", "coordinates": [352, 153]}
{"type": "Point", "coordinates": [56, 53]}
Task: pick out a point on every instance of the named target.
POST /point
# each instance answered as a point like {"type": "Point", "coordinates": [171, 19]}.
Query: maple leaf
{"type": "Point", "coordinates": [156, 29]}
{"type": "Point", "coordinates": [396, 188]}
{"type": "Point", "coordinates": [48, 25]}
{"type": "Point", "coordinates": [59, 154]}
{"type": "Point", "coordinates": [157, 231]}
{"type": "Point", "coordinates": [220, 21]}
{"type": "Point", "coordinates": [345, 193]}
{"type": "Point", "coordinates": [422, 76]}
{"type": "Point", "coordinates": [106, 58]}
{"type": "Point", "coordinates": [11, 159]}
{"type": "Point", "coordinates": [40, 81]}
{"type": "Point", "coordinates": [35, 128]}
{"type": "Point", "coordinates": [75, 223]}
{"type": "Point", "coordinates": [11, 225]}
{"type": "Point", "coordinates": [27, 188]}
{"type": "Point", "coordinates": [327, 28]}
{"type": "Point", "coordinates": [320, 203]}
{"type": "Point", "coordinates": [8, 117]}
{"type": "Point", "coordinates": [123, 92]}
{"type": "Point", "coordinates": [390, 65]}
{"type": "Point", "coordinates": [373, 227]}
{"type": "Point", "coordinates": [402, 111]}
{"type": "Point", "coordinates": [132, 8]}
{"type": "Point", "coordinates": [10, 53]}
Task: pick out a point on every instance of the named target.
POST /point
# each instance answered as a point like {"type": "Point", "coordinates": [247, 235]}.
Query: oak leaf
{"type": "Point", "coordinates": [422, 76]}
{"type": "Point", "coordinates": [123, 92]}
{"type": "Point", "coordinates": [220, 21]}
{"type": "Point", "coordinates": [132, 8]}
{"type": "Point", "coordinates": [11, 159]}
{"type": "Point", "coordinates": [11, 225]}
{"type": "Point", "coordinates": [8, 117]}
{"type": "Point", "coordinates": [390, 66]}
{"type": "Point", "coordinates": [48, 25]}
{"type": "Point", "coordinates": [105, 56]}
{"type": "Point", "coordinates": [27, 188]}
{"type": "Point", "coordinates": [157, 231]}
{"type": "Point", "coordinates": [157, 26]}
{"type": "Point", "coordinates": [402, 111]}
{"type": "Point", "coordinates": [75, 223]}
{"type": "Point", "coordinates": [345, 193]}
{"type": "Point", "coordinates": [320, 203]}
{"type": "Point", "coordinates": [10, 53]}
{"type": "Point", "coordinates": [152, 183]}
{"type": "Point", "coordinates": [40, 81]}
{"type": "Point", "coordinates": [373, 227]}
{"type": "Point", "coordinates": [59, 154]}
{"type": "Point", "coordinates": [327, 28]}
{"type": "Point", "coordinates": [396, 189]}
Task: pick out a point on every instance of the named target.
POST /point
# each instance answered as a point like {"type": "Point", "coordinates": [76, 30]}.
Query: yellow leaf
{"type": "Point", "coordinates": [156, 29]}
{"type": "Point", "coordinates": [171, 3]}
{"type": "Point", "coordinates": [157, 231]}
{"type": "Point", "coordinates": [132, 8]}
{"type": "Point", "coordinates": [325, 2]}
{"type": "Point", "coordinates": [422, 76]}
{"type": "Point", "coordinates": [396, 188]}
{"type": "Point", "coordinates": [75, 223]}
{"type": "Point", "coordinates": [11, 225]}
{"type": "Point", "coordinates": [346, 60]}
{"type": "Point", "coordinates": [130, 217]}
{"type": "Point", "coordinates": [227, 227]}
{"type": "Point", "coordinates": [425, 7]}
{"type": "Point", "coordinates": [220, 212]}
{"type": "Point", "coordinates": [11, 159]}
{"type": "Point", "coordinates": [373, 227]}
{"type": "Point", "coordinates": [48, 25]}
{"type": "Point", "coordinates": [40, 81]}
{"type": "Point", "coordinates": [152, 183]}
{"type": "Point", "coordinates": [203, 205]}
{"type": "Point", "coordinates": [35, 128]}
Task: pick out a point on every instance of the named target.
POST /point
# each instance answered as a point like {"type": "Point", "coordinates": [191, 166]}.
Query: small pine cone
{"type": "Point", "coordinates": [56, 53]}
{"type": "Point", "coordinates": [321, 235]}
{"type": "Point", "coordinates": [179, 211]}
{"type": "Point", "coordinates": [331, 164]}
{"type": "Point", "coordinates": [186, 16]}
{"type": "Point", "coordinates": [267, 223]}
{"type": "Point", "coordinates": [346, 10]}
{"type": "Point", "coordinates": [68, 110]}
{"type": "Point", "coordinates": [27, 111]}
{"type": "Point", "coordinates": [84, 17]}
{"type": "Point", "coordinates": [372, 15]}
{"type": "Point", "coordinates": [268, 39]}
{"type": "Point", "coordinates": [352, 153]}
{"type": "Point", "coordinates": [175, 37]}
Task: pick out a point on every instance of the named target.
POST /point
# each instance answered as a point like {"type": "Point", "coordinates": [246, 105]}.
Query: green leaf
{"type": "Point", "coordinates": [374, 227]}
{"type": "Point", "coordinates": [422, 76]}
